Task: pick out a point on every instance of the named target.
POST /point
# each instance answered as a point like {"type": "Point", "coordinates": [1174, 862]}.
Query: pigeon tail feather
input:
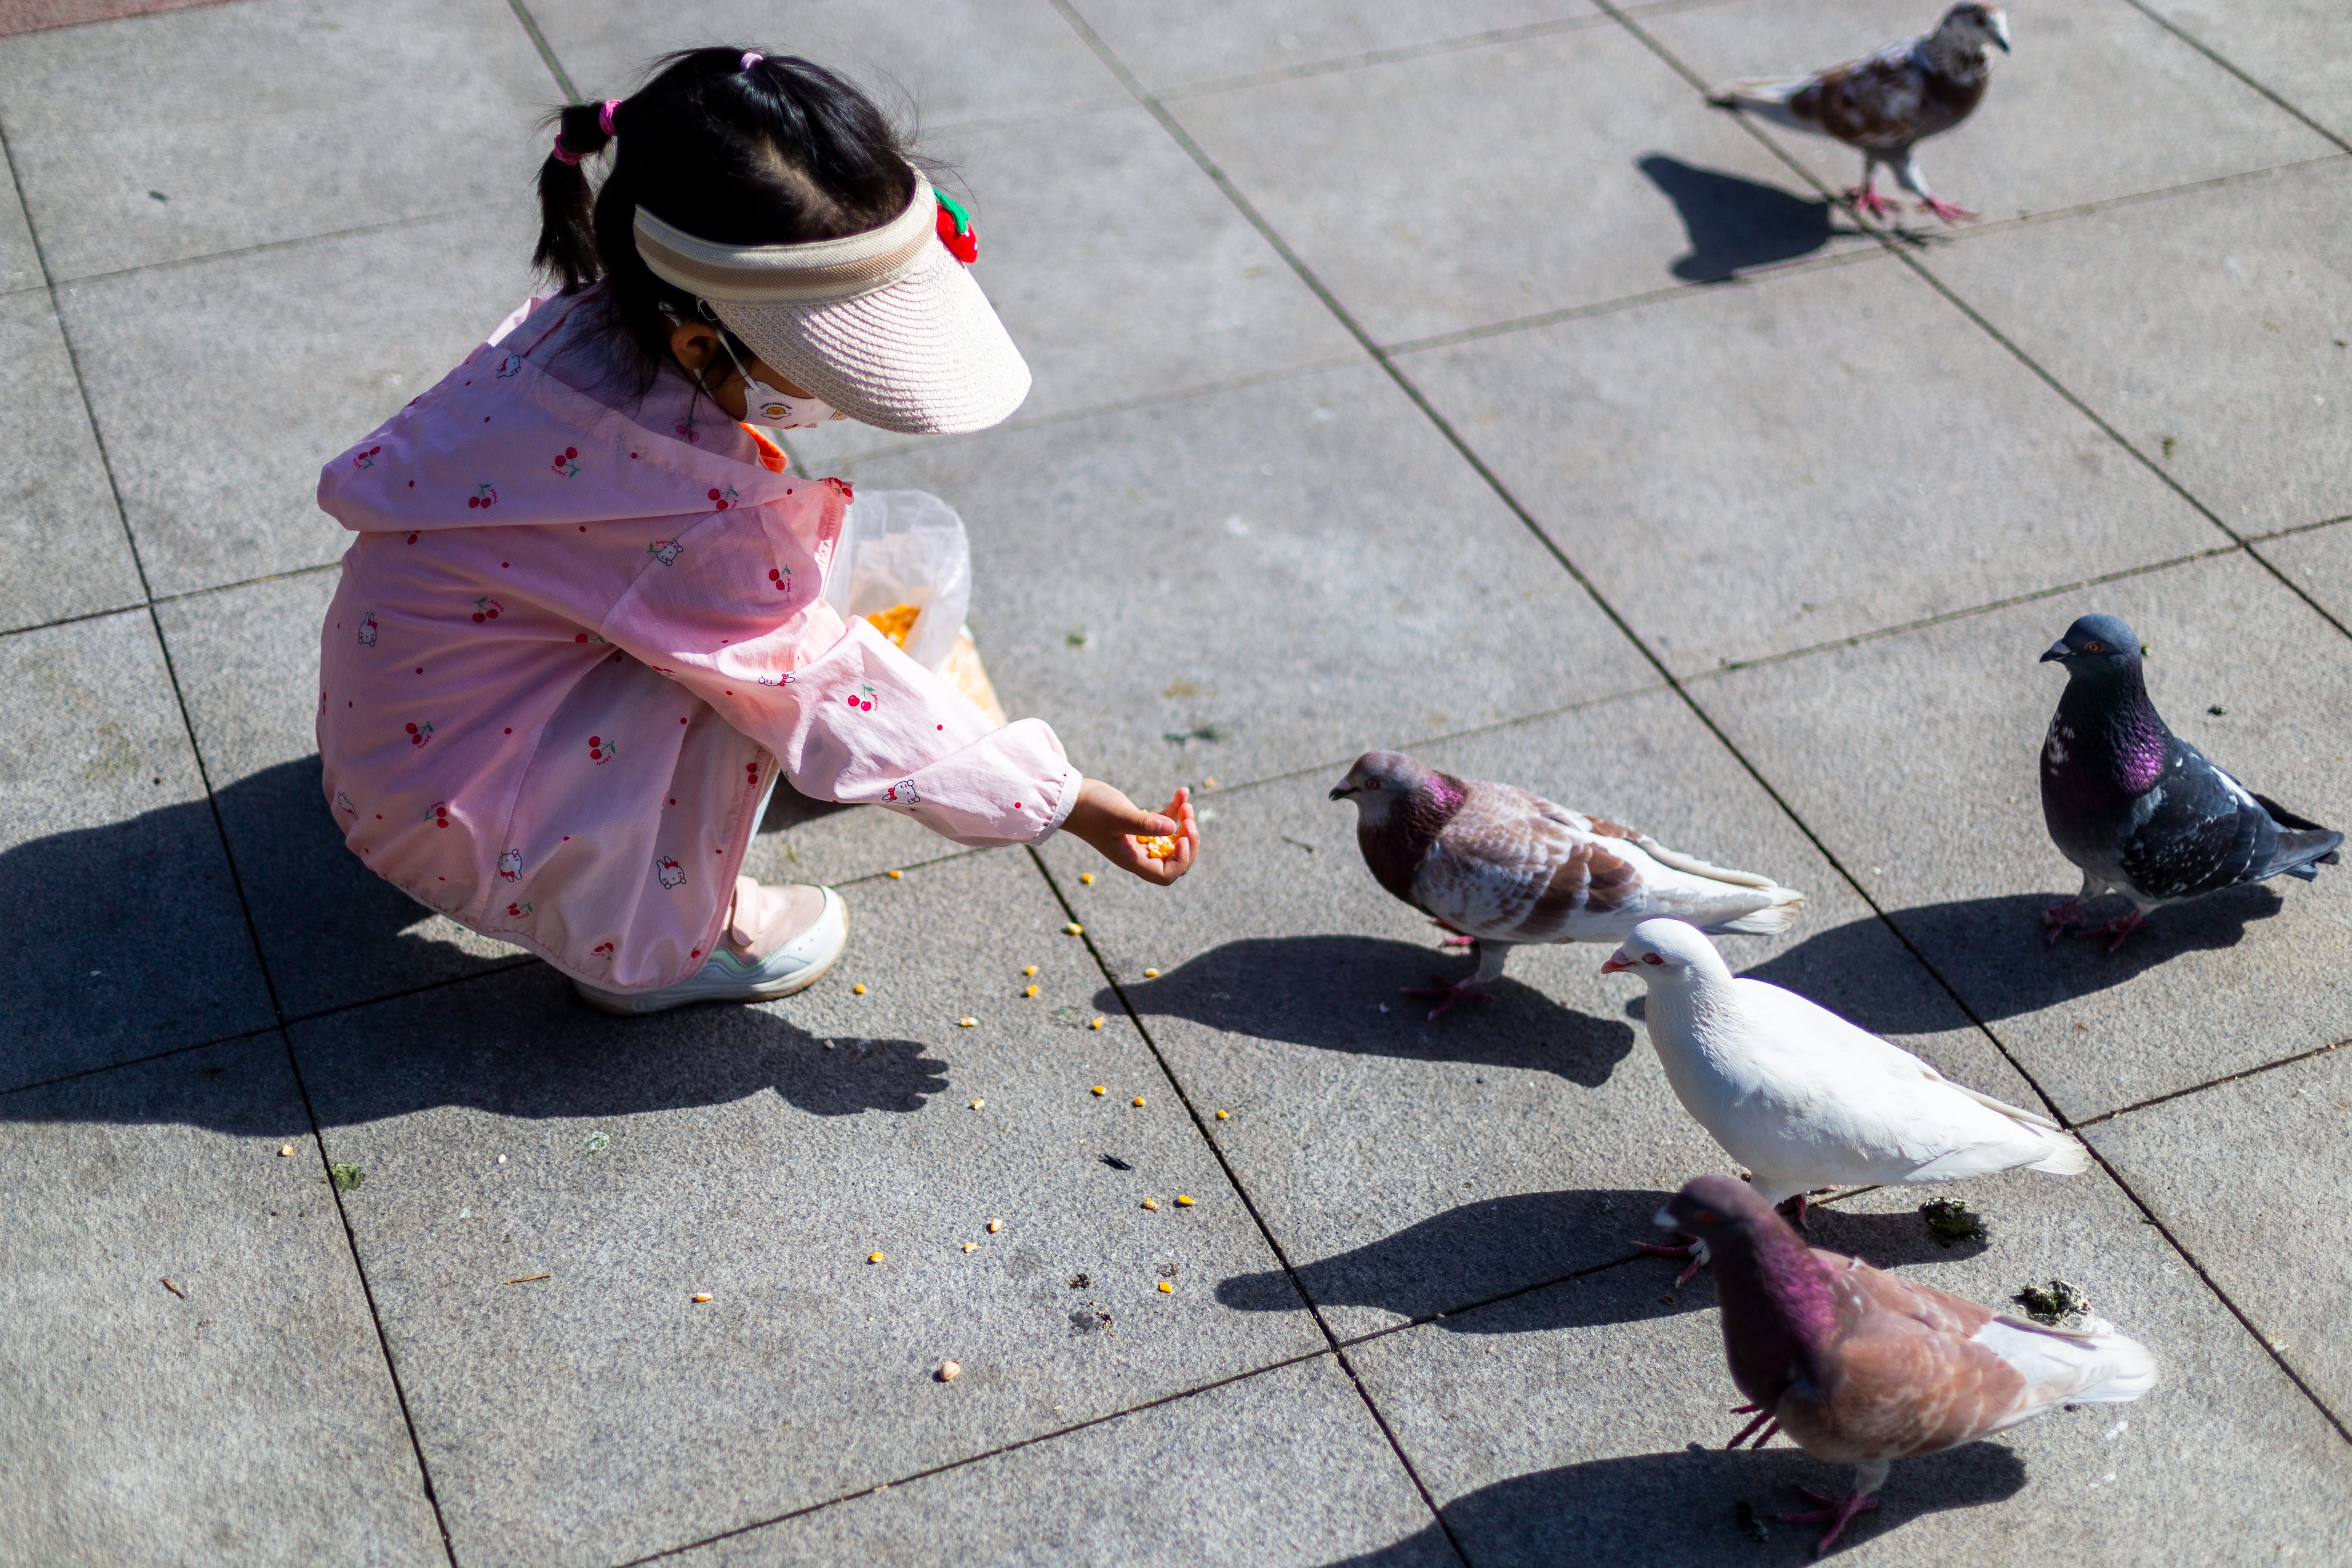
{"type": "Point", "coordinates": [1771, 920]}
{"type": "Point", "coordinates": [2089, 1363]}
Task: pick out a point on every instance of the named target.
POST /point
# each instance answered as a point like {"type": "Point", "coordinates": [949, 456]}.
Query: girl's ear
{"type": "Point", "coordinates": [692, 342]}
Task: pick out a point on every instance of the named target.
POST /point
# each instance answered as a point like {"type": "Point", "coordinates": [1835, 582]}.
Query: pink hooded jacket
{"type": "Point", "coordinates": [572, 644]}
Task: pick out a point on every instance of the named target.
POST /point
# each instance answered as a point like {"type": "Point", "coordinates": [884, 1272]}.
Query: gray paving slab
{"type": "Point", "coordinates": [266, 122]}
{"type": "Point", "coordinates": [1666, 450]}
{"type": "Point", "coordinates": [935, 62]}
{"type": "Point", "coordinates": [2210, 329]}
{"type": "Point", "coordinates": [20, 260]}
{"type": "Point", "coordinates": [131, 941]}
{"type": "Point", "coordinates": [2319, 562]}
{"type": "Point", "coordinates": [1227, 38]}
{"type": "Point", "coordinates": [1121, 270]}
{"type": "Point", "coordinates": [1489, 184]}
{"type": "Point", "coordinates": [2244, 1174]}
{"type": "Point", "coordinates": [1587, 1420]}
{"type": "Point", "coordinates": [2099, 102]}
{"type": "Point", "coordinates": [62, 549]}
{"type": "Point", "coordinates": [1408, 1166]}
{"type": "Point", "coordinates": [2301, 50]}
{"type": "Point", "coordinates": [242, 1414]}
{"type": "Point", "coordinates": [1942, 822]}
{"type": "Point", "coordinates": [333, 932]}
{"type": "Point", "coordinates": [320, 341]}
{"type": "Point", "coordinates": [758, 1156]}
{"type": "Point", "coordinates": [1284, 1468]}
{"type": "Point", "coordinates": [1255, 580]}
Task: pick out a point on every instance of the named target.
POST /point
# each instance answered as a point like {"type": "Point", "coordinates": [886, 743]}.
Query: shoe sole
{"type": "Point", "coordinates": [618, 1003]}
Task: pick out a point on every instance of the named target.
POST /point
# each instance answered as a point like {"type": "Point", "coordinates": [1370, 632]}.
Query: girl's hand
{"type": "Point", "coordinates": [1111, 823]}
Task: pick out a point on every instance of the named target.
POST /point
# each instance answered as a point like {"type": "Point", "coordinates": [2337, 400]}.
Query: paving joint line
{"type": "Point", "coordinates": [139, 1061]}
{"type": "Point", "coordinates": [1000, 1449]}
{"type": "Point", "coordinates": [1233, 1178]}
{"type": "Point", "coordinates": [2236, 71]}
{"type": "Point", "coordinates": [220, 830]}
{"type": "Point", "coordinates": [1900, 935]}
{"type": "Point", "coordinates": [292, 242]}
{"type": "Point", "coordinates": [546, 50]}
{"type": "Point", "coordinates": [2166, 1098]}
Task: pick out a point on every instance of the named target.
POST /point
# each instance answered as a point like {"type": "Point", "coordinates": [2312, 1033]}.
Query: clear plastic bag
{"type": "Point", "coordinates": [904, 548]}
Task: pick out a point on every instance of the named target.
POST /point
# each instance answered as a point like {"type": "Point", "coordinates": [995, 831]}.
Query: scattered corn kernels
{"type": "Point", "coordinates": [873, 1258]}
{"type": "Point", "coordinates": [950, 1371]}
{"type": "Point", "coordinates": [286, 1150]}
{"type": "Point", "coordinates": [896, 622]}
{"type": "Point", "coordinates": [1161, 848]}
{"type": "Point", "coordinates": [1221, 1116]}
{"type": "Point", "coordinates": [1088, 878]}
{"type": "Point", "coordinates": [978, 1103]}
{"type": "Point", "coordinates": [1030, 970]}
{"type": "Point", "coordinates": [994, 1226]}
{"type": "Point", "coordinates": [1151, 1204]}
{"type": "Point", "coordinates": [1168, 1287]}
{"type": "Point", "coordinates": [972, 1246]}
{"type": "Point", "coordinates": [1209, 783]}
{"type": "Point", "coordinates": [1031, 990]}
{"type": "Point", "coordinates": [1138, 1099]}
{"type": "Point", "coordinates": [896, 876]}
{"type": "Point", "coordinates": [702, 1296]}
{"type": "Point", "coordinates": [857, 991]}
{"type": "Point", "coordinates": [1182, 1202]}
{"type": "Point", "coordinates": [1152, 974]}
{"type": "Point", "coordinates": [967, 1023]}
{"type": "Point", "coordinates": [1094, 1022]}
{"type": "Point", "coordinates": [1100, 1088]}
{"type": "Point", "coordinates": [1075, 929]}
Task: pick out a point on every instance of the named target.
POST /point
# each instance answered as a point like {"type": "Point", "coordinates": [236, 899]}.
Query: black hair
{"type": "Point", "coordinates": [778, 153]}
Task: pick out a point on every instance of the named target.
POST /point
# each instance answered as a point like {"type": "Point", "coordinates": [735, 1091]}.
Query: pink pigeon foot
{"type": "Point", "coordinates": [1868, 201]}
{"type": "Point", "coordinates": [1448, 992]}
{"type": "Point", "coordinates": [1946, 211]}
{"type": "Point", "coordinates": [2058, 917]}
{"type": "Point", "coordinates": [1458, 940]}
{"type": "Point", "coordinates": [2120, 927]}
{"type": "Point", "coordinates": [1794, 1209]}
{"type": "Point", "coordinates": [1764, 1418]}
{"type": "Point", "coordinates": [1688, 1248]}
{"type": "Point", "coordinates": [1837, 1514]}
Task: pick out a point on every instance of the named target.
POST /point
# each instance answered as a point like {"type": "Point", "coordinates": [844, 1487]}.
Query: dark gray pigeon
{"type": "Point", "coordinates": [2139, 809]}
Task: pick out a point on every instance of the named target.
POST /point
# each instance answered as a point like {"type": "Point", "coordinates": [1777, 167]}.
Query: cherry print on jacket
{"type": "Point", "coordinates": [368, 630]}
{"type": "Point", "coordinates": [601, 751]}
{"type": "Point", "coordinates": [781, 578]}
{"type": "Point", "coordinates": [601, 950]}
{"type": "Point", "coordinates": [519, 908]}
{"type": "Point", "coordinates": [567, 461]}
{"type": "Point", "coordinates": [365, 460]}
{"type": "Point", "coordinates": [440, 813]}
{"type": "Point", "coordinates": [665, 551]}
{"type": "Point", "coordinates": [721, 498]}
{"type": "Point", "coordinates": [418, 736]}
{"type": "Point", "coordinates": [510, 864]}
{"type": "Point", "coordinates": [862, 698]}
{"type": "Point", "coordinates": [484, 495]}
{"type": "Point", "coordinates": [486, 609]}
{"type": "Point", "coordinates": [671, 873]}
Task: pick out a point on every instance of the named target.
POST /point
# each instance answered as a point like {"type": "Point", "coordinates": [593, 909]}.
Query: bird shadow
{"type": "Point", "coordinates": [1326, 992]}
{"type": "Point", "coordinates": [1736, 224]}
{"type": "Point", "coordinates": [526, 1047]}
{"type": "Point", "coordinates": [1683, 1509]}
{"type": "Point", "coordinates": [1993, 954]}
{"type": "Point", "coordinates": [1478, 1252]}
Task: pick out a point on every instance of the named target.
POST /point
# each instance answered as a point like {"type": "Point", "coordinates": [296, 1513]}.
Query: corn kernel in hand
{"type": "Point", "coordinates": [1161, 848]}
{"type": "Point", "coordinates": [896, 622]}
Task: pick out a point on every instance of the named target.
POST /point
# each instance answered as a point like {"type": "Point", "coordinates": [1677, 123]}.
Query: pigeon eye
{"type": "Point", "coordinates": [1652, 958]}
{"type": "Point", "coordinates": [2094, 648]}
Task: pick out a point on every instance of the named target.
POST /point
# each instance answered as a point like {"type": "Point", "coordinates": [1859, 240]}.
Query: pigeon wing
{"type": "Point", "coordinates": [1511, 864]}
{"type": "Point", "coordinates": [2194, 831]}
{"type": "Point", "coordinates": [1877, 101]}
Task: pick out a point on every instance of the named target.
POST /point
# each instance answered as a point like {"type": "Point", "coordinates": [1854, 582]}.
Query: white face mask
{"type": "Point", "coordinates": [765, 404]}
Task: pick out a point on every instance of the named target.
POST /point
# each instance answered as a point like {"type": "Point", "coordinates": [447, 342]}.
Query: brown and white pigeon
{"type": "Point", "coordinates": [1863, 1368]}
{"type": "Point", "coordinates": [1503, 866]}
{"type": "Point", "coordinates": [1887, 103]}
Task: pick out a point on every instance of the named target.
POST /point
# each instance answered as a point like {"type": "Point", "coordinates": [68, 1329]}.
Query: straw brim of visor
{"type": "Point", "coordinates": [886, 326]}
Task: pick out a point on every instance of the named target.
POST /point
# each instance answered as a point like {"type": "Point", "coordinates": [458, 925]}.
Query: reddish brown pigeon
{"type": "Point", "coordinates": [1863, 1368]}
{"type": "Point", "coordinates": [1503, 866]}
{"type": "Point", "coordinates": [1886, 103]}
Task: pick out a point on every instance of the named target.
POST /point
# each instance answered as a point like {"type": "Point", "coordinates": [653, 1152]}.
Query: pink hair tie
{"type": "Point", "coordinates": [604, 116]}
{"type": "Point", "coordinates": [751, 59]}
{"type": "Point", "coordinates": [564, 155]}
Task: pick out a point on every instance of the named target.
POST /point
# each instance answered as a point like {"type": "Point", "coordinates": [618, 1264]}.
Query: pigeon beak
{"type": "Point", "coordinates": [2058, 650]}
{"type": "Point", "coordinates": [1340, 792]}
{"type": "Point", "coordinates": [1618, 964]}
{"type": "Point", "coordinates": [2001, 33]}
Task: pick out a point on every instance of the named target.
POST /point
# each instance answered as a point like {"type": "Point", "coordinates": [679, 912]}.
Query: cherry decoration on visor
{"type": "Point", "coordinates": [955, 228]}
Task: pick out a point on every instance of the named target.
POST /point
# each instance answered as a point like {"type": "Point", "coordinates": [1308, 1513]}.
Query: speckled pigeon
{"type": "Point", "coordinates": [1503, 866]}
{"type": "Point", "coordinates": [1863, 1368]}
{"type": "Point", "coordinates": [1887, 103]}
{"type": "Point", "coordinates": [1803, 1098]}
{"type": "Point", "coordinates": [2139, 809]}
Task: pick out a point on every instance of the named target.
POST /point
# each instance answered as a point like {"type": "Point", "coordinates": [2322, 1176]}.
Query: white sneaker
{"type": "Point", "coordinates": [730, 976]}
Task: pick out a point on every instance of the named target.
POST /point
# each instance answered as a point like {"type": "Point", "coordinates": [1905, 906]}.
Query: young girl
{"type": "Point", "coordinates": [583, 630]}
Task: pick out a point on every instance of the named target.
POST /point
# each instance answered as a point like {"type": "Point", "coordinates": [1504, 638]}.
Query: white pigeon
{"type": "Point", "coordinates": [1805, 1099]}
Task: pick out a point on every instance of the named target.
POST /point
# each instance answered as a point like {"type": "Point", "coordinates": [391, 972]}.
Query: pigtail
{"type": "Point", "coordinates": [567, 233]}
